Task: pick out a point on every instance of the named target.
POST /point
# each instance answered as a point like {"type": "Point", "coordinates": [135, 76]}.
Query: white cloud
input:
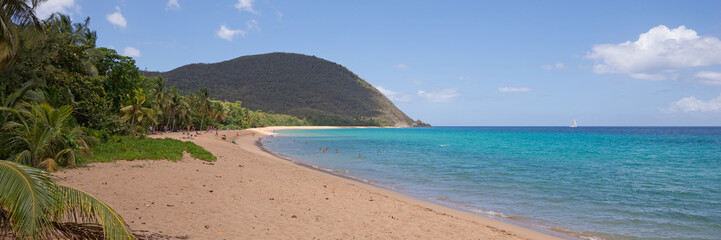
{"type": "Point", "coordinates": [657, 54]}
{"type": "Point", "coordinates": [228, 34]}
{"type": "Point", "coordinates": [395, 96]}
{"type": "Point", "coordinates": [514, 89]}
{"type": "Point", "coordinates": [245, 5]}
{"type": "Point", "coordinates": [400, 66]}
{"type": "Point", "coordinates": [709, 78]}
{"type": "Point", "coordinates": [279, 15]}
{"type": "Point", "coordinates": [45, 9]}
{"type": "Point", "coordinates": [691, 104]}
{"type": "Point", "coordinates": [445, 95]}
{"type": "Point", "coordinates": [117, 18]}
{"type": "Point", "coordinates": [549, 67]}
{"type": "Point", "coordinates": [172, 4]}
{"type": "Point", "coordinates": [131, 52]}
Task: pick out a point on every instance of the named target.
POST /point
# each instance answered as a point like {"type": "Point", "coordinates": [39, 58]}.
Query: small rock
{"type": "Point", "coordinates": [271, 199]}
{"type": "Point", "coordinates": [293, 216]}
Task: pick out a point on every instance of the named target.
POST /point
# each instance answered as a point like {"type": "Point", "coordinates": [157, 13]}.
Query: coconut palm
{"type": "Point", "coordinates": [203, 106]}
{"type": "Point", "coordinates": [32, 206]}
{"type": "Point", "coordinates": [61, 27]}
{"type": "Point", "coordinates": [40, 136]}
{"type": "Point", "coordinates": [182, 112]}
{"type": "Point", "coordinates": [161, 98]}
{"type": "Point", "coordinates": [218, 112]}
{"type": "Point", "coordinates": [14, 16]}
{"type": "Point", "coordinates": [177, 107]}
{"type": "Point", "coordinates": [135, 112]}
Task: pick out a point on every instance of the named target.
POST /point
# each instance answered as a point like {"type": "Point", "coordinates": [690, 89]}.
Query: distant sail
{"type": "Point", "coordinates": [574, 123]}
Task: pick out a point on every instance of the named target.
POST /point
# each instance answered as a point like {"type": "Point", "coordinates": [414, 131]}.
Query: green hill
{"type": "Point", "coordinates": [323, 92]}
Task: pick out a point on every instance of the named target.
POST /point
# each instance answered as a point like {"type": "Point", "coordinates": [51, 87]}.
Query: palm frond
{"type": "Point", "coordinates": [76, 204]}
{"type": "Point", "coordinates": [49, 164]}
{"type": "Point", "coordinates": [26, 197]}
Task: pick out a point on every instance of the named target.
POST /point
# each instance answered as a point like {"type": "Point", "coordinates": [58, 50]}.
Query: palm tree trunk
{"type": "Point", "coordinates": [132, 124]}
{"type": "Point", "coordinates": [169, 115]}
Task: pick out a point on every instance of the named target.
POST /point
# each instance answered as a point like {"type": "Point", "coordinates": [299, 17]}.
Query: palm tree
{"type": "Point", "coordinates": [202, 104]}
{"type": "Point", "coordinates": [40, 136]}
{"type": "Point", "coordinates": [177, 107]}
{"type": "Point", "coordinates": [33, 206]}
{"type": "Point", "coordinates": [182, 111]}
{"type": "Point", "coordinates": [218, 112]}
{"type": "Point", "coordinates": [161, 99]}
{"type": "Point", "coordinates": [17, 97]}
{"type": "Point", "coordinates": [15, 14]}
{"type": "Point", "coordinates": [135, 112]}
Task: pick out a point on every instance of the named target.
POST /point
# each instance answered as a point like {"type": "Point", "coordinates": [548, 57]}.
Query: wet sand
{"type": "Point", "coordinates": [251, 194]}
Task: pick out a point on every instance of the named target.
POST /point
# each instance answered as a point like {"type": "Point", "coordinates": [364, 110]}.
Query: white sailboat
{"type": "Point", "coordinates": [574, 123]}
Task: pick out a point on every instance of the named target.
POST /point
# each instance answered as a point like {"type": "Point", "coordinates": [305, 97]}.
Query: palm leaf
{"type": "Point", "coordinates": [50, 164]}
{"type": "Point", "coordinates": [24, 194]}
{"type": "Point", "coordinates": [76, 204]}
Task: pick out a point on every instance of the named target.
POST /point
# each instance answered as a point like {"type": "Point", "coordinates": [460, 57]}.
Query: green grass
{"type": "Point", "coordinates": [132, 148]}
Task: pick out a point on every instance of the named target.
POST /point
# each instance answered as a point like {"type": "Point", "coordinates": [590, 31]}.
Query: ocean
{"type": "Point", "coordinates": [596, 182]}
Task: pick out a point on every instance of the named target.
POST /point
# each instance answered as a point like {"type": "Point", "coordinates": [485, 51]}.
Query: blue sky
{"type": "Point", "coordinates": [539, 63]}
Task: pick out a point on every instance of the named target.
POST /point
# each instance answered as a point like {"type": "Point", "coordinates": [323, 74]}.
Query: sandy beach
{"type": "Point", "coordinates": [251, 194]}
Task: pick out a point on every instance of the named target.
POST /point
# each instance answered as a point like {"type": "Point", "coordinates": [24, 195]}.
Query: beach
{"type": "Point", "coordinates": [251, 194]}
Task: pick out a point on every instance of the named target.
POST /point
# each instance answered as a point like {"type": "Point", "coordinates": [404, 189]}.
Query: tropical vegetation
{"type": "Point", "coordinates": [33, 206]}
{"type": "Point", "coordinates": [65, 101]}
{"type": "Point", "coordinates": [132, 148]}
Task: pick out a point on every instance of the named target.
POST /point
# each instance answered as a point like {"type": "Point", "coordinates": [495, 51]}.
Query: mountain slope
{"type": "Point", "coordinates": [305, 86]}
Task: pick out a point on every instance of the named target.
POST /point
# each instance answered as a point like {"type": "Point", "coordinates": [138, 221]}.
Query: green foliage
{"type": "Point", "coordinates": [15, 17]}
{"type": "Point", "coordinates": [123, 77]}
{"type": "Point", "coordinates": [293, 84]}
{"type": "Point", "coordinates": [136, 113]}
{"type": "Point", "coordinates": [133, 148]}
{"type": "Point", "coordinates": [33, 206]}
{"type": "Point", "coordinates": [41, 136]}
{"type": "Point", "coordinates": [25, 194]}
{"type": "Point", "coordinates": [49, 84]}
{"type": "Point", "coordinates": [91, 103]}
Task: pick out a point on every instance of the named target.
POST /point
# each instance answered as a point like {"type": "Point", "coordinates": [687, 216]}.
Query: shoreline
{"type": "Point", "coordinates": [436, 205]}
{"type": "Point", "coordinates": [251, 193]}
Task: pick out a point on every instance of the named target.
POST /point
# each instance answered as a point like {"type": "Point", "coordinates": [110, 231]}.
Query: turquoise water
{"type": "Point", "coordinates": [605, 182]}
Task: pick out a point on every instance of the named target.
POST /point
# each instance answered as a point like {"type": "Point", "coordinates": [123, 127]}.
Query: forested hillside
{"type": "Point", "coordinates": [314, 89]}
